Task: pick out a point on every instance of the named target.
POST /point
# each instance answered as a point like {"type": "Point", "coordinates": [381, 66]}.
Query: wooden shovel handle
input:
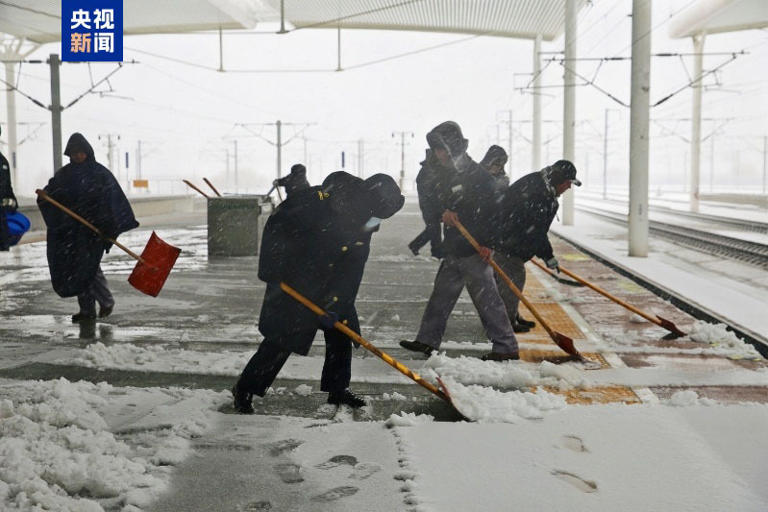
{"type": "Point", "coordinates": [362, 341]}
{"type": "Point", "coordinates": [192, 186]}
{"type": "Point", "coordinates": [42, 194]}
{"type": "Point", "coordinates": [507, 280]}
{"type": "Point", "coordinates": [212, 187]}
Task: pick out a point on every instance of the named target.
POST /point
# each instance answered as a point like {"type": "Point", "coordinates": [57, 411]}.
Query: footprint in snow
{"type": "Point", "coordinates": [336, 493]}
{"type": "Point", "coordinates": [338, 460]}
{"type": "Point", "coordinates": [255, 506]}
{"type": "Point", "coordinates": [364, 470]}
{"type": "Point", "coordinates": [586, 486]}
{"type": "Point", "coordinates": [289, 473]}
{"type": "Point", "coordinates": [285, 445]}
{"type": "Point", "coordinates": [574, 443]}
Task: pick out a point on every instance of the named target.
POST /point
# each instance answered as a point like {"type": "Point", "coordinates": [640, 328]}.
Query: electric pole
{"type": "Point", "coordinates": [403, 135]}
{"type": "Point", "coordinates": [360, 158]}
{"type": "Point", "coordinates": [279, 142]}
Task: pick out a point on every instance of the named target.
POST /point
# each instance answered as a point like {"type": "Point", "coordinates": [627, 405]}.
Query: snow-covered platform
{"type": "Point", "coordinates": [658, 425]}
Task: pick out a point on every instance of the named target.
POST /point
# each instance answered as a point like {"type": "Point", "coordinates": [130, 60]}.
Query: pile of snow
{"type": "Point", "coordinates": [408, 419]}
{"type": "Point", "coordinates": [487, 405]}
{"type": "Point", "coordinates": [57, 452]}
{"type": "Point", "coordinates": [718, 335]}
{"type": "Point", "coordinates": [688, 398]}
{"type": "Point", "coordinates": [160, 358]}
{"type": "Point", "coordinates": [508, 374]}
{"type": "Point", "coordinates": [303, 390]}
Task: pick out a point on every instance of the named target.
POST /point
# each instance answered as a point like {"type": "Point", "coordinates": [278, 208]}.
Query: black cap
{"type": "Point", "coordinates": [562, 171]}
{"type": "Point", "coordinates": [386, 199]}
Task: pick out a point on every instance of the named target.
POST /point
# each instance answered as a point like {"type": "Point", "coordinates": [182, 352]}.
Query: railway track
{"type": "Point", "coordinates": [729, 222]}
{"type": "Point", "coordinates": [720, 245]}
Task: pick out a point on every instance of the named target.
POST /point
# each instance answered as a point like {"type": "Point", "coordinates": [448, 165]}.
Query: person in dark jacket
{"type": "Point", "coordinates": [526, 212]}
{"type": "Point", "coordinates": [7, 202]}
{"type": "Point", "coordinates": [295, 181]}
{"type": "Point", "coordinates": [494, 161]}
{"type": "Point", "coordinates": [75, 251]}
{"type": "Point", "coordinates": [472, 201]}
{"type": "Point", "coordinates": [433, 187]}
{"type": "Point", "coordinates": [317, 241]}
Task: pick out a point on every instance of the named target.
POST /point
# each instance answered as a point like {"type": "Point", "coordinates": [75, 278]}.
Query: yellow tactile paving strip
{"type": "Point", "coordinates": [559, 320]}
{"type": "Point", "coordinates": [598, 395]}
{"type": "Point", "coordinates": [556, 318]}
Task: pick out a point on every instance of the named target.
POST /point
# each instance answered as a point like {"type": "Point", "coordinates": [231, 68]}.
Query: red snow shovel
{"type": "Point", "coordinates": [661, 322]}
{"type": "Point", "coordinates": [154, 264]}
{"type": "Point", "coordinates": [441, 392]}
{"type": "Point", "coordinates": [561, 340]}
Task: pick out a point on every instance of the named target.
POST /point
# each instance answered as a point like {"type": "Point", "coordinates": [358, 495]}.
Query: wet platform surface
{"type": "Point", "coordinates": [209, 307]}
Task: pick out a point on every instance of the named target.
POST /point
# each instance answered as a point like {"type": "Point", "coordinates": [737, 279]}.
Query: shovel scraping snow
{"type": "Point", "coordinates": [441, 392]}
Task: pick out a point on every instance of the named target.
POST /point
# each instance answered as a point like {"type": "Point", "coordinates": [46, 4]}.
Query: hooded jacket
{"type": "Point", "coordinates": [469, 191]}
{"type": "Point", "coordinates": [526, 212]}
{"type": "Point", "coordinates": [90, 190]}
{"type": "Point", "coordinates": [318, 241]}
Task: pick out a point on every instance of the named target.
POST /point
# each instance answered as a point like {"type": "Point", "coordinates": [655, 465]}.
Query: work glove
{"type": "Point", "coordinates": [553, 264]}
{"type": "Point", "coordinates": [450, 218]}
{"type": "Point", "coordinates": [485, 253]}
{"type": "Point", "coordinates": [327, 320]}
{"type": "Point", "coordinates": [9, 203]}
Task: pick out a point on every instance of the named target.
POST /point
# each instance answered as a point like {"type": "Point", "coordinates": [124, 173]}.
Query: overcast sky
{"type": "Point", "coordinates": [187, 117]}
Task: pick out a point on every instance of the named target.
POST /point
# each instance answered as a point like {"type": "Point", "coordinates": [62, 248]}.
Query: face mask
{"type": "Point", "coordinates": [372, 224]}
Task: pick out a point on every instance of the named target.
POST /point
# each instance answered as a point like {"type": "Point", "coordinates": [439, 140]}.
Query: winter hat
{"type": "Point", "coordinates": [494, 155]}
{"type": "Point", "coordinates": [77, 143]}
{"type": "Point", "coordinates": [448, 136]}
{"type": "Point", "coordinates": [384, 194]}
{"type": "Point", "coordinates": [297, 176]}
{"type": "Point", "coordinates": [562, 171]}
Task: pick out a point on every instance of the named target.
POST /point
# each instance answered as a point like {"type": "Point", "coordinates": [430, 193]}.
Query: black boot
{"type": "Point", "coordinates": [345, 397]}
{"type": "Point", "coordinates": [417, 346]}
{"type": "Point", "coordinates": [518, 327]}
{"type": "Point", "coordinates": [243, 399]}
{"type": "Point", "coordinates": [522, 321]}
{"type": "Point", "coordinates": [83, 317]}
{"type": "Point", "coordinates": [106, 311]}
{"type": "Point", "coordinates": [414, 247]}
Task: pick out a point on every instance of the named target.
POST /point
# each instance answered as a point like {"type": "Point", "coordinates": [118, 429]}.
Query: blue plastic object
{"type": "Point", "coordinates": [18, 224]}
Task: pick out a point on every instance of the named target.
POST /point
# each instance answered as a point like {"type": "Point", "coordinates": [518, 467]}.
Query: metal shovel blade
{"type": "Point", "coordinates": [156, 262]}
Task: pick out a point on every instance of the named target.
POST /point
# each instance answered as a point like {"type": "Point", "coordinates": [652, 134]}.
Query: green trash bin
{"type": "Point", "coordinates": [235, 224]}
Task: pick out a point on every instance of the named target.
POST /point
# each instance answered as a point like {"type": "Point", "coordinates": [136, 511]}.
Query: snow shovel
{"type": "Point", "coordinates": [212, 187]}
{"type": "Point", "coordinates": [192, 186]}
{"type": "Point", "coordinates": [561, 340]}
{"type": "Point", "coordinates": [661, 322]}
{"type": "Point", "coordinates": [441, 392]}
{"type": "Point", "coordinates": [154, 264]}
{"type": "Point", "coordinates": [555, 276]}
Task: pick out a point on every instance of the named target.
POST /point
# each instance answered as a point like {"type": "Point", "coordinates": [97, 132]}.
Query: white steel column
{"type": "Point", "coordinates": [638, 131]}
{"type": "Point", "coordinates": [569, 102]}
{"type": "Point", "coordinates": [54, 63]}
{"type": "Point", "coordinates": [10, 101]}
{"type": "Point", "coordinates": [536, 144]}
{"type": "Point", "coordinates": [698, 59]}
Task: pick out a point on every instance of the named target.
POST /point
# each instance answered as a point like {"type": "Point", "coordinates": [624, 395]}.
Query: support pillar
{"type": "Point", "coordinates": [698, 58]}
{"type": "Point", "coordinates": [536, 125]}
{"type": "Point", "coordinates": [638, 131]}
{"type": "Point", "coordinates": [55, 63]}
{"type": "Point", "coordinates": [569, 102]}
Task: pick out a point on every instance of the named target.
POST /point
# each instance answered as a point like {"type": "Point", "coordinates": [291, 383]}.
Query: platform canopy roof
{"type": "Point", "coordinates": [716, 16]}
{"type": "Point", "coordinates": [40, 20]}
